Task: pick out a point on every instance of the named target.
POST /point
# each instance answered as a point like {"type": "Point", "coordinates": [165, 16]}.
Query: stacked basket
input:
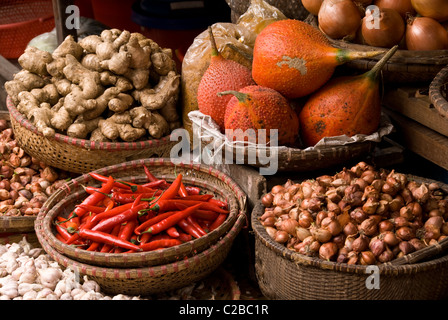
{"type": "Point", "coordinates": [80, 155]}
{"type": "Point", "coordinates": [146, 273]}
{"type": "Point", "coordinates": [285, 274]}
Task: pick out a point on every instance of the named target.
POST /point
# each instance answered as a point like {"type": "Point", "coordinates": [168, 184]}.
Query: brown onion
{"type": "Point", "coordinates": [386, 256]}
{"type": "Point", "coordinates": [406, 247]}
{"type": "Point", "coordinates": [328, 251]}
{"type": "Point", "coordinates": [266, 200]}
{"type": "Point", "coordinates": [377, 246]}
{"type": "Point", "coordinates": [390, 238]}
{"type": "Point", "coordinates": [339, 19]}
{"type": "Point", "coordinates": [403, 7]}
{"type": "Point", "coordinates": [288, 225]}
{"type": "Point", "coordinates": [302, 233]}
{"type": "Point", "coordinates": [436, 9]}
{"type": "Point", "coordinates": [320, 234]}
{"type": "Point", "coordinates": [385, 30]}
{"type": "Point", "coordinates": [360, 244]}
{"type": "Point", "coordinates": [350, 229]}
{"type": "Point", "coordinates": [385, 225]}
{"type": "Point", "coordinates": [369, 227]}
{"type": "Point", "coordinates": [405, 233]}
{"type": "Point", "coordinates": [367, 258]}
{"type": "Point", "coordinates": [312, 6]}
{"type": "Point", "coordinates": [281, 236]}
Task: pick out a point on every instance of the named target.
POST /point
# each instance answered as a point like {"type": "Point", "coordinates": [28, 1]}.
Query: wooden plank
{"type": "Point", "coordinates": [409, 103]}
{"type": "Point", "coordinates": [421, 140]}
{"type": "Point", "coordinates": [60, 17]}
{"type": "Point", "coordinates": [7, 69]}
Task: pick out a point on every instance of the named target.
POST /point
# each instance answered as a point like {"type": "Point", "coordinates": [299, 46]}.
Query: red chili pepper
{"type": "Point", "coordinates": [158, 244]}
{"type": "Point", "coordinates": [206, 215]}
{"type": "Point", "coordinates": [107, 247]}
{"type": "Point", "coordinates": [145, 225]}
{"type": "Point", "coordinates": [193, 190]}
{"type": "Point", "coordinates": [196, 225]}
{"type": "Point", "coordinates": [109, 213]}
{"type": "Point", "coordinates": [219, 203]}
{"type": "Point", "coordinates": [144, 238]}
{"type": "Point", "coordinates": [93, 246]}
{"type": "Point", "coordinates": [173, 189]}
{"type": "Point", "coordinates": [90, 208]}
{"type": "Point", "coordinates": [197, 197]}
{"type": "Point", "coordinates": [221, 218]}
{"type": "Point", "coordinates": [130, 197]}
{"type": "Point", "coordinates": [95, 198]}
{"type": "Point", "coordinates": [63, 232]}
{"type": "Point", "coordinates": [179, 204]}
{"type": "Point", "coordinates": [172, 220]}
{"type": "Point", "coordinates": [183, 191]}
{"type": "Point", "coordinates": [184, 237]}
{"type": "Point", "coordinates": [188, 228]}
{"type": "Point", "coordinates": [172, 232]}
{"type": "Point", "coordinates": [105, 238]}
{"type": "Point", "coordinates": [149, 175]}
{"type": "Point", "coordinates": [130, 214]}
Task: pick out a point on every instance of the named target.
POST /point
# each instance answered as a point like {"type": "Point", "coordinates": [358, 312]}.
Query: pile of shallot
{"type": "Point", "coordinates": [27, 273]}
{"type": "Point", "coordinates": [357, 216]}
{"type": "Point", "coordinates": [25, 182]}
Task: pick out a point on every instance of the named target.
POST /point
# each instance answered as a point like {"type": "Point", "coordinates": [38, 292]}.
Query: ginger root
{"type": "Point", "coordinates": [104, 87]}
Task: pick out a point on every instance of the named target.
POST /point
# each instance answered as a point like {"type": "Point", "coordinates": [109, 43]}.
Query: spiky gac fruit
{"type": "Point", "coordinates": [257, 107]}
{"type": "Point", "coordinates": [222, 74]}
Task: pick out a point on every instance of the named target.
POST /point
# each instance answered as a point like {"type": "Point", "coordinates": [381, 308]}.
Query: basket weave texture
{"type": "Point", "coordinates": [438, 90]}
{"type": "Point", "coordinates": [287, 275]}
{"type": "Point", "coordinates": [80, 155]}
{"type": "Point", "coordinates": [208, 179]}
{"type": "Point", "coordinates": [405, 67]}
{"type": "Point", "coordinates": [154, 279]}
{"type": "Point", "coordinates": [20, 22]}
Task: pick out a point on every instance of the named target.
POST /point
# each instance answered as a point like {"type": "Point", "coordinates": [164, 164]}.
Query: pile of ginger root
{"type": "Point", "coordinates": [116, 86]}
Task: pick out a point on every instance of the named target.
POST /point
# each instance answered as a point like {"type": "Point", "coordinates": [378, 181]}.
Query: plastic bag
{"type": "Point", "coordinates": [234, 41]}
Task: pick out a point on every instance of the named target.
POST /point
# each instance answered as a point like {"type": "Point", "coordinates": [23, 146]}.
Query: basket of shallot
{"type": "Point", "coordinates": [362, 233]}
{"type": "Point", "coordinates": [25, 184]}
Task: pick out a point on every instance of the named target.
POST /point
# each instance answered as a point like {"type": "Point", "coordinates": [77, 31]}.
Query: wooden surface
{"type": "Point", "coordinates": [415, 104]}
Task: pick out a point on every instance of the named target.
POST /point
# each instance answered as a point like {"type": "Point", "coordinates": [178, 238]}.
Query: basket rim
{"type": "Point", "coordinates": [237, 203]}
{"type": "Point", "coordinates": [404, 265]}
{"type": "Point", "coordinates": [153, 271]}
{"type": "Point", "coordinates": [435, 92]}
{"type": "Point", "coordinates": [83, 143]}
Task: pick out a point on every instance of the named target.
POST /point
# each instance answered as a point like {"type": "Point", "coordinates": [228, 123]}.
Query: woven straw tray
{"type": "Point", "coordinates": [79, 155]}
{"type": "Point", "coordinates": [15, 224]}
{"type": "Point", "coordinates": [288, 275]}
{"type": "Point", "coordinates": [438, 90]}
{"type": "Point", "coordinates": [208, 179]}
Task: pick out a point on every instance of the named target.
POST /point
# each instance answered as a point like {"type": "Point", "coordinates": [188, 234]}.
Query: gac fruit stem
{"type": "Point", "coordinates": [242, 97]}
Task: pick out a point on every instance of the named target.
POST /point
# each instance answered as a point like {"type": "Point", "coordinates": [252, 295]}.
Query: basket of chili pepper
{"type": "Point", "coordinates": [141, 213]}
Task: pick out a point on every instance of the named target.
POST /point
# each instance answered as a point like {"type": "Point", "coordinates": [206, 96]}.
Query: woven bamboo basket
{"type": "Point", "coordinates": [287, 275]}
{"type": "Point", "coordinates": [15, 237]}
{"type": "Point", "coordinates": [154, 279]}
{"type": "Point", "coordinates": [80, 155]}
{"type": "Point", "coordinates": [438, 90]}
{"type": "Point", "coordinates": [286, 158]}
{"type": "Point", "coordinates": [15, 224]}
{"type": "Point", "coordinates": [208, 179]}
{"type": "Point", "coordinates": [405, 67]}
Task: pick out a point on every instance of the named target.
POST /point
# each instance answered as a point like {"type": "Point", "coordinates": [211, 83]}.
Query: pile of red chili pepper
{"type": "Point", "coordinates": [121, 216]}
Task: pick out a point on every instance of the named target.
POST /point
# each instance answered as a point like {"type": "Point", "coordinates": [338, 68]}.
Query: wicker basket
{"type": "Point", "coordinates": [79, 155]}
{"type": "Point", "coordinates": [288, 275]}
{"type": "Point", "coordinates": [20, 22]}
{"type": "Point", "coordinates": [326, 155]}
{"type": "Point", "coordinates": [16, 237]}
{"type": "Point", "coordinates": [155, 279]}
{"type": "Point", "coordinates": [404, 67]}
{"type": "Point", "coordinates": [15, 224]}
{"type": "Point", "coordinates": [209, 179]}
{"type": "Point", "coordinates": [438, 90]}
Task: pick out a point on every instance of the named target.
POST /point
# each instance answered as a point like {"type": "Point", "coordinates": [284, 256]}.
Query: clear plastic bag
{"type": "Point", "coordinates": [234, 41]}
